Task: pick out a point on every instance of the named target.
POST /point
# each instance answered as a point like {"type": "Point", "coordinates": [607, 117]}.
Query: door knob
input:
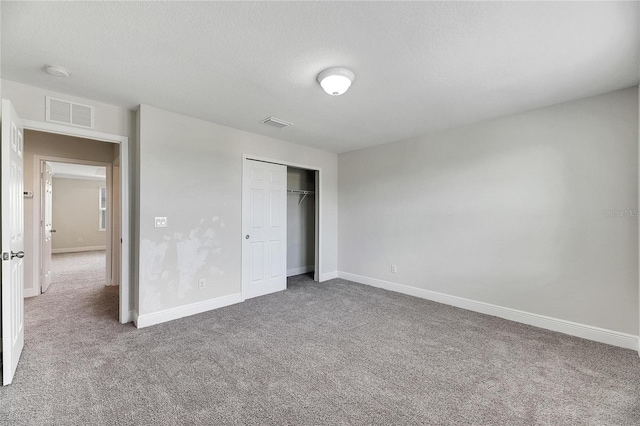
{"type": "Point", "coordinates": [53, 230]}
{"type": "Point", "coordinates": [246, 237]}
{"type": "Point", "coordinates": [19, 255]}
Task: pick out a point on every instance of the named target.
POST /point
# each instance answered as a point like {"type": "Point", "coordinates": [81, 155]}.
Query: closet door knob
{"type": "Point", "coordinates": [246, 237]}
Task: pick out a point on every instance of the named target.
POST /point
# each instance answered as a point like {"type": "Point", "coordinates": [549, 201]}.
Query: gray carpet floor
{"type": "Point", "coordinates": [315, 354]}
{"type": "Point", "coordinates": [77, 270]}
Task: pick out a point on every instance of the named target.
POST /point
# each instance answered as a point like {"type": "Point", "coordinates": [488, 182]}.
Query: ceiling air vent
{"type": "Point", "coordinates": [276, 122]}
{"type": "Point", "coordinates": [65, 112]}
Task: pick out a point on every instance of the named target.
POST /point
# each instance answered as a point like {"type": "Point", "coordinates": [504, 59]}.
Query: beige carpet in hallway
{"type": "Point", "coordinates": [77, 270]}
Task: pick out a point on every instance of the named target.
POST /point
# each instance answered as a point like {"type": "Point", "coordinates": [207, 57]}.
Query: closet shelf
{"type": "Point", "coordinates": [302, 192]}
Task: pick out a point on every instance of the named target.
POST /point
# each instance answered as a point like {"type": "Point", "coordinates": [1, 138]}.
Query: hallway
{"type": "Point", "coordinates": [72, 271]}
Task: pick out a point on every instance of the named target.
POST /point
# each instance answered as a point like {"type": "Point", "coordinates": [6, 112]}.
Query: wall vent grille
{"type": "Point", "coordinates": [65, 112]}
{"type": "Point", "coordinates": [276, 122]}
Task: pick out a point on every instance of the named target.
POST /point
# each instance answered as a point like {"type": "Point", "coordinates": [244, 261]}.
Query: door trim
{"type": "Point", "coordinates": [38, 289]}
{"type": "Point", "coordinates": [125, 312]}
{"type": "Point", "coordinates": [38, 237]}
{"type": "Point", "coordinates": [318, 216]}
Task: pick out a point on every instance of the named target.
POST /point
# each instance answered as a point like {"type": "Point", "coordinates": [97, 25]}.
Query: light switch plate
{"type": "Point", "coordinates": [161, 222]}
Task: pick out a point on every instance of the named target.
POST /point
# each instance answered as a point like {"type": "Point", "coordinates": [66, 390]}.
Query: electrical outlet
{"type": "Point", "coordinates": [80, 239]}
{"type": "Point", "coordinates": [202, 284]}
{"type": "Point", "coordinates": [394, 269]}
{"type": "Point", "coordinates": [161, 222]}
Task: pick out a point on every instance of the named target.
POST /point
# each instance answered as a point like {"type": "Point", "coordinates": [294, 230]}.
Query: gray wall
{"type": "Point", "coordinates": [535, 212]}
{"type": "Point", "coordinates": [300, 222]}
{"type": "Point", "coordinates": [191, 172]}
{"type": "Point", "coordinates": [76, 218]}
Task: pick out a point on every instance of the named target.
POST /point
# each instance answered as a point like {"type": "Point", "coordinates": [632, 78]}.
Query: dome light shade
{"type": "Point", "coordinates": [56, 70]}
{"type": "Point", "coordinates": [336, 81]}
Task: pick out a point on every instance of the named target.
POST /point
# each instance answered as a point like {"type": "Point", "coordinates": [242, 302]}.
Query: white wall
{"type": "Point", "coordinates": [191, 172]}
{"type": "Point", "coordinates": [300, 222]}
{"type": "Point", "coordinates": [76, 219]}
{"type": "Point", "coordinates": [535, 212]}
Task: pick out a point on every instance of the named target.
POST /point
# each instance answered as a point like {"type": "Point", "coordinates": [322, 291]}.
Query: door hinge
{"type": "Point", "coordinates": [6, 256]}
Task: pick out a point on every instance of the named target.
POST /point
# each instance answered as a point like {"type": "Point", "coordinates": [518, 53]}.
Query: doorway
{"type": "Point", "coordinates": [51, 143]}
{"type": "Point", "coordinates": [58, 161]}
{"type": "Point", "coordinates": [301, 213]}
{"type": "Point", "coordinates": [15, 193]}
{"type": "Point", "coordinates": [75, 226]}
{"type": "Point", "coordinates": [267, 186]}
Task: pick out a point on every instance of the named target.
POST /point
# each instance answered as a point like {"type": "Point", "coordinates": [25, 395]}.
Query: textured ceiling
{"type": "Point", "coordinates": [420, 67]}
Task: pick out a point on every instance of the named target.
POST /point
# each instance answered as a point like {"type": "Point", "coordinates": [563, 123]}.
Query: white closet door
{"type": "Point", "coordinates": [264, 224]}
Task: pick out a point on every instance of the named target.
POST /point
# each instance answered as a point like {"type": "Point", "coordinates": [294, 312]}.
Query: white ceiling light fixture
{"type": "Point", "coordinates": [336, 81]}
{"type": "Point", "coordinates": [56, 70]}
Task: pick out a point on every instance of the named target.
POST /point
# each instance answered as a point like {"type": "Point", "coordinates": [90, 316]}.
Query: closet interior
{"type": "Point", "coordinates": [301, 211]}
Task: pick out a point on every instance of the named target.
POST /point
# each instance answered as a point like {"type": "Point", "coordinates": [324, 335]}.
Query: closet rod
{"type": "Point", "coordinates": [302, 192]}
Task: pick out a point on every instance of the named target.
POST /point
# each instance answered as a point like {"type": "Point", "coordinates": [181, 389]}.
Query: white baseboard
{"type": "Point", "coordinates": [328, 276]}
{"type": "Point", "coordinates": [78, 249]}
{"type": "Point", "coordinates": [133, 315]}
{"type": "Point", "coordinates": [615, 338]}
{"type": "Point", "coordinates": [297, 271]}
{"type": "Point", "coordinates": [186, 310]}
{"type": "Point", "coordinates": [30, 292]}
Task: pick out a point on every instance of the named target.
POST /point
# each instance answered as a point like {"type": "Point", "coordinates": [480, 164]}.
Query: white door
{"type": "Point", "coordinates": [12, 147]}
{"type": "Point", "coordinates": [264, 224]}
{"type": "Point", "coordinates": [46, 223]}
